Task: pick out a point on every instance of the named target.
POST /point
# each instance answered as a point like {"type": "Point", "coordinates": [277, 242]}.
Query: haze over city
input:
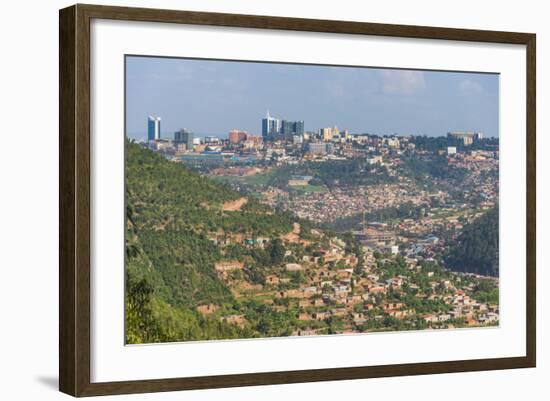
{"type": "Point", "coordinates": [212, 97]}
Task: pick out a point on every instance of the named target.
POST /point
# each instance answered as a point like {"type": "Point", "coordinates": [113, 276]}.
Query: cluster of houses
{"type": "Point", "coordinates": [341, 202]}
{"type": "Point", "coordinates": [334, 287]}
{"type": "Point", "coordinates": [321, 285]}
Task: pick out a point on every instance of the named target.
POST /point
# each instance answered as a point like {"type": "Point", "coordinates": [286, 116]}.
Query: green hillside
{"type": "Point", "coordinates": [476, 248]}
{"type": "Point", "coordinates": [172, 214]}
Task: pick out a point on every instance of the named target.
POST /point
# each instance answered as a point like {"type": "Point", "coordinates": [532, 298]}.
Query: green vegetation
{"type": "Point", "coordinates": [308, 188]}
{"type": "Point", "coordinates": [403, 211]}
{"type": "Point", "coordinates": [203, 262]}
{"type": "Point", "coordinates": [476, 248]}
{"type": "Point", "coordinates": [275, 177]}
{"type": "Point", "coordinates": [486, 291]}
{"type": "Point", "coordinates": [171, 212]}
{"type": "Point", "coordinates": [350, 172]}
{"type": "Point", "coordinates": [260, 179]}
{"type": "Point", "coordinates": [424, 170]}
{"type": "Point", "coordinates": [150, 319]}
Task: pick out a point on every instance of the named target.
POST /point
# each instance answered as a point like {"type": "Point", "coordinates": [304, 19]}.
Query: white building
{"type": "Point", "coordinates": [153, 128]}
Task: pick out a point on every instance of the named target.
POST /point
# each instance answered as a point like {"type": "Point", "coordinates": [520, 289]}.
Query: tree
{"type": "Point", "coordinates": [476, 248]}
{"type": "Point", "coordinates": [358, 269]}
{"type": "Point", "coordinates": [276, 251]}
{"type": "Point", "coordinates": [139, 315]}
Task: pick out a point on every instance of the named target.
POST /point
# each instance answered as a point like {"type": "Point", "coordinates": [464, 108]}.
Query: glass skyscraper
{"type": "Point", "coordinates": [290, 128]}
{"type": "Point", "coordinates": [274, 128]}
{"type": "Point", "coordinates": [153, 128]}
{"type": "Point", "coordinates": [184, 136]}
{"type": "Point", "coordinates": [270, 126]}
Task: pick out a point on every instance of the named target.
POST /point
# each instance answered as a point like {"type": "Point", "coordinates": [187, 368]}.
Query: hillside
{"type": "Point", "coordinates": [476, 248]}
{"type": "Point", "coordinates": [173, 218]}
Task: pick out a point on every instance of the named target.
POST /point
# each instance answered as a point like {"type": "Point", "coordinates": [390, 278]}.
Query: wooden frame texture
{"type": "Point", "coordinates": [74, 199]}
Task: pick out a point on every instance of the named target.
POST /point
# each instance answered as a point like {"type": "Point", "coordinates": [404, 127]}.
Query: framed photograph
{"type": "Point", "coordinates": [250, 200]}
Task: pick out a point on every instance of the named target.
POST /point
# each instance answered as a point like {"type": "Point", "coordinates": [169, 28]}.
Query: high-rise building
{"type": "Point", "coordinates": [291, 128]}
{"type": "Point", "coordinates": [299, 127]}
{"type": "Point", "coordinates": [270, 126]}
{"type": "Point", "coordinates": [153, 128]}
{"type": "Point", "coordinates": [184, 136]}
{"type": "Point", "coordinates": [287, 128]}
{"type": "Point", "coordinates": [274, 128]}
{"type": "Point", "coordinates": [326, 134]}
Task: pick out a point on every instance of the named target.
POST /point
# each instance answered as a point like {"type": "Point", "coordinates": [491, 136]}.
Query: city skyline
{"type": "Point", "coordinates": [212, 97]}
{"type": "Point", "coordinates": [314, 206]}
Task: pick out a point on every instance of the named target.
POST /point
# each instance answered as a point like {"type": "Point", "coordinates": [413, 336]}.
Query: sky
{"type": "Point", "coordinates": [212, 97]}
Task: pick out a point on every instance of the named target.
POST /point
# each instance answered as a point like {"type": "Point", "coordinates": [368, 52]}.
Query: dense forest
{"type": "Point", "coordinates": [476, 248]}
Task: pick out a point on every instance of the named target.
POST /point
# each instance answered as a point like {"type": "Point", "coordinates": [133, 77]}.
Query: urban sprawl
{"type": "Point", "coordinates": [383, 211]}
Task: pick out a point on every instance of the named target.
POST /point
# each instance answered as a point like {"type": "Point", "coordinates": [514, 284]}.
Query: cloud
{"type": "Point", "coordinates": [350, 83]}
{"type": "Point", "coordinates": [402, 82]}
{"type": "Point", "coordinates": [470, 88]}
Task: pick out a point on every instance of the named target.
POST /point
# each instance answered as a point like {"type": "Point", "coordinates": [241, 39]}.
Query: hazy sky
{"type": "Point", "coordinates": [213, 97]}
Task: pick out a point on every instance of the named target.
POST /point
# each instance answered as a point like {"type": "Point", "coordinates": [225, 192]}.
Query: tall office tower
{"type": "Point", "coordinates": [184, 136]}
{"type": "Point", "coordinates": [153, 128]}
{"type": "Point", "coordinates": [271, 127]}
{"type": "Point", "coordinates": [299, 127]}
{"type": "Point", "coordinates": [287, 128]}
{"type": "Point", "coordinates": [291, 128]}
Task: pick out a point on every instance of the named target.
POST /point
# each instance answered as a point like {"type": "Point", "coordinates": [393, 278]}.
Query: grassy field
{"type": "Point", "coordinates": [259, 179]}
{"type": "Point", "coordinates": [276, 177]}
